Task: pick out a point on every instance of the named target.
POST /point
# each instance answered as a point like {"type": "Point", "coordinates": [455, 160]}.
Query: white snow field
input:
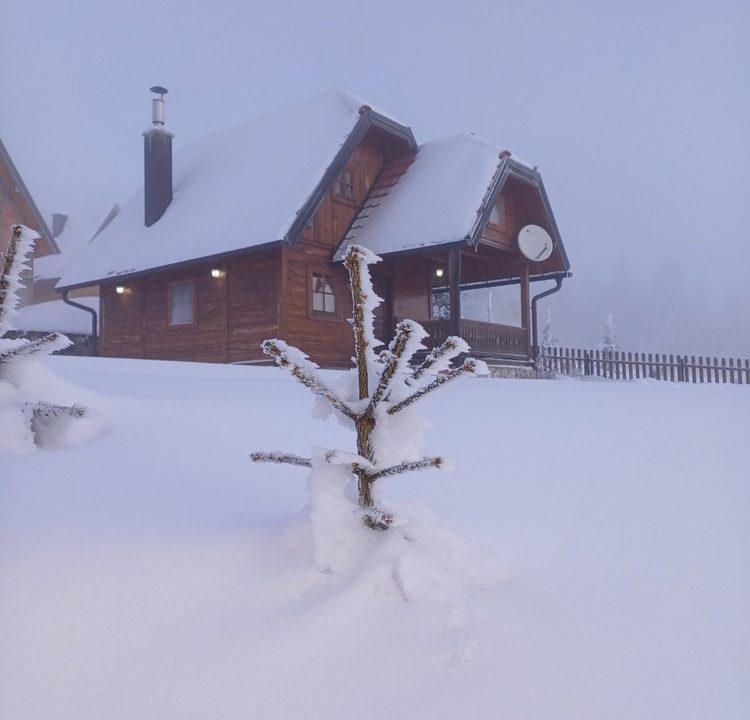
{"type": "Point", "coordinates": [587, 558]}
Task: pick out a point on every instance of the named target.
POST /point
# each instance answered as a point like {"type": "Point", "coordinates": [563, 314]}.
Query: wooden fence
{"type": "Point", "coordinates": [631, 366]}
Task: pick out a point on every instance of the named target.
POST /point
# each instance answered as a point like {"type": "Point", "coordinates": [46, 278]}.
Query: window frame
{"type": "Point", "coordinates": [338, 195]}
{"type": "Point", "coordinates": [194, 300]}
{"type": "Point", "coordinates": [333, 284]}
{"type": "Point", "coordinates": [499, 200]}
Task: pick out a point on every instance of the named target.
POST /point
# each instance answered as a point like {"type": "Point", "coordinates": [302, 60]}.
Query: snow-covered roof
{"type": "Point", "coordinates": [80, 228]}
{"type": "Point", "coordinates": [235, 189]}
{"type": "Point", "coordinates": [56, 315]}
{"type": "Point", "coordinates": [436, 201]}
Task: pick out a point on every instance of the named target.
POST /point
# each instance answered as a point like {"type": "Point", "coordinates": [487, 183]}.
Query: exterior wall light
{"type": "Point", "coordinates": [120, 289]}
{"type": "Point", "coordinates": [216, 272]}
{"type": "Point", "coordinates": [439, 272]}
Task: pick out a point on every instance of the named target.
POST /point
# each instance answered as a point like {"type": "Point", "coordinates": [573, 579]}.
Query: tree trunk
{"type": "Point", "coordinates": [364, 426]}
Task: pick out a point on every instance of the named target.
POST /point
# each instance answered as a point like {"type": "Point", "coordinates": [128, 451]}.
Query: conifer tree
{"type": "Point", "coordinates": [386, 385]}
{"type": "Point", "coordinates": [12, 265]}
{"type": "Point", "coordinates": [609, 343]}
{"type": "Point", "coordinates": [548, 341]}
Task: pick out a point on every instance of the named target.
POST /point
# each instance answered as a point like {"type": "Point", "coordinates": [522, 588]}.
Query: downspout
{"type": "Point", "coordinates": [534, 300]}
{"type": "Point", "coordinates": [94, 321]}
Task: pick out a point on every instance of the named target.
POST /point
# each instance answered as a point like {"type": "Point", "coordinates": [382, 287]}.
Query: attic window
{"type": "Point", "coordinates": [323, 296]}
{"type": "Point", "coordinates": [345, 184]}
{"type": "Point", "coordinates": [497, 215]}
{"type": "Point", "coordinates": [182, 303]}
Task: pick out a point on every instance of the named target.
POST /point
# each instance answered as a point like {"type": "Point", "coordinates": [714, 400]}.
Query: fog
{"type": "Point", "coordinates": [637, 115]}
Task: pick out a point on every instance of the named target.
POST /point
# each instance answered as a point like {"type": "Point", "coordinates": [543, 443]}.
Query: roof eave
{"type": "Point", "coordinates": [172, 267]}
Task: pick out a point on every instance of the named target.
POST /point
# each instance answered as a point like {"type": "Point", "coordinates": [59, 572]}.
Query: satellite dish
{"type": "Point", "coordinates": [535, 243]}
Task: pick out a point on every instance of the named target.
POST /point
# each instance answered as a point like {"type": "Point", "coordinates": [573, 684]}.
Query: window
{"type": "Point", "coordinates": [497, 215]}
{"type": "Point", "coordinates": [345, 184]}
{"type": "Point", "coordinates": [181, 303]}
{"type": "Point", "coordinates": [323, 297]}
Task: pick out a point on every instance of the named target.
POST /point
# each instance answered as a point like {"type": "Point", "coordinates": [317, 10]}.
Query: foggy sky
{"type": "Point", "coordinates": [637, 115]}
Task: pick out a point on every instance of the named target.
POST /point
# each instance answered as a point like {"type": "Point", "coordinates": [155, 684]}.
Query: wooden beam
{"type": "Point", "coordinates": [525, 305]}
{"type": "Point", "coordinates": [454, 277]}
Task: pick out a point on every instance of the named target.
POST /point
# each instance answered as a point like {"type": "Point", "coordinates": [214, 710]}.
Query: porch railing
{"type": "Point", "coordinates": [487, 340]}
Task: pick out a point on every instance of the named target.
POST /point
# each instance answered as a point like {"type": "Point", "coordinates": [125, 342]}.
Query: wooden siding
{"type": "Point", "coordinates": [328, 340]}
{"type": "Point", "coordinates": [233, 313]}
{"type": "Point", "coordinates": [252, 304]}
{"type": "Point", "coordinates": [335, 214]}
{"type": "Point", "coordinates": [412, 290]}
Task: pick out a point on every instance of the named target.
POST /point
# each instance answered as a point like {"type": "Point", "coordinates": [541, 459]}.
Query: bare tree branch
{"type": "Point", "coordinates": [408, 466]}
{"type": "Point", "coordinates": [468, 368]}
{"type": "Point", "coordinates": [296, 362]}
{"type": "Point", "coordinates": [280, 457]}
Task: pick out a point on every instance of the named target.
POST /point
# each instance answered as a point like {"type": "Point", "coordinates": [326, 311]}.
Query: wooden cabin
{"type": "Point", "coordinates": [18, 206]}
{"type": "Point", "coordinates": [243, 240]}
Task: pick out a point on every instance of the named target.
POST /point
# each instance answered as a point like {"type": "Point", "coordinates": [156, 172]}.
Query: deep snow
{"type": "Point", "coordinates": [589, 560]}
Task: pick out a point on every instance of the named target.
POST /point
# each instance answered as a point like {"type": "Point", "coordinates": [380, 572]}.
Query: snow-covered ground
{"type": "Point", "coordinates": [602, 570]}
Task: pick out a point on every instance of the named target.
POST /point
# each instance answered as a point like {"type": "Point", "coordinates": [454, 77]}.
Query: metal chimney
{"type": "Point", "coordinates": [158, 106]}
{"type": "Point", "coordinates": [157, 161]}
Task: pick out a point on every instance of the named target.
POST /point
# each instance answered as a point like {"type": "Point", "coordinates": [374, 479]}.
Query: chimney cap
{"type": "Point", "coordinates": [159, 90]}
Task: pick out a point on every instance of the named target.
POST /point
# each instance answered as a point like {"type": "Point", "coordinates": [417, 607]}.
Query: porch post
{"type": "Point", "coordinates": [454, 276]}
{"type": "Point", "coordinates": [525, 306]}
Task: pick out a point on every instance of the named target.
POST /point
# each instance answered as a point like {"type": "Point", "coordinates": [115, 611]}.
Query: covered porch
{"type": "Point", "coordinates": [435, 288]}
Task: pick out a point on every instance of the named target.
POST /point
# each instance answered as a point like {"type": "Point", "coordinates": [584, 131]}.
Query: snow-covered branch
{"type": "Point", "coordinates": [470, 367]}
{"type": "Point", "coordinates": [364, 301]}
{"type": "Point", "coordinates": [439, 358]}
{"type": "Point", "coordinates": [13, 263]}
{"type": "Point", "coordinates": [406, 341]}
{"type": "Point", "coordinates": [297, 363]}
{"type": "Point", "coordinates": [48, 410]}
{"type": "Point", "coordinates": [408, 466]}
{"type": "Point", "coordinates": [280, 457]}
{"type": "Point", "coordinates": [44, 345]}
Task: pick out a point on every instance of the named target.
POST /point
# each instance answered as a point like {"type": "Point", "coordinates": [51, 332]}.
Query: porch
{"type": "Point", "coordinates": [487, 340]}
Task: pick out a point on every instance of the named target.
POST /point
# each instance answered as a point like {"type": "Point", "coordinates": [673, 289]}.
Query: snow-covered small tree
{"type": "Point", "coordinates": [609, 343]}
{"type": "Point", "coordinates": [378, 401]}
{"type": "Point", "coordinates": [21, 414]}
{"type": "Point", "coordinates": [547, 342]}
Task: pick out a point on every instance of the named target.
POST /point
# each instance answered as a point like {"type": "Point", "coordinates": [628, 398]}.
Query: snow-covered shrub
{"type": "Point", "coordinates": [25, 420]}
{"type": "Point", "coordinates": [377, 401]}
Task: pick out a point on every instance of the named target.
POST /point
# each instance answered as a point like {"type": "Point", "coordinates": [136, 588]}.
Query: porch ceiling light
{"type": "Point", "coordinates": [120, 289]}
{"type": "Point", "coordinates": [216, 272]}
{"type": "Point", "coordinates": [439, 272]}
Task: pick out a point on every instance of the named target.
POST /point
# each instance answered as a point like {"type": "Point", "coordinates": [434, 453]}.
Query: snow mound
{"type": "Point", "coordinates": [416, 559]}
{"type": "Point", "coordinates": [26, 385]}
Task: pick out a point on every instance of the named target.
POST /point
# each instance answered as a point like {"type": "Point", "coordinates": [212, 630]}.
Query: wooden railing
{"type": "Point", "coordinates": [631, 366]}
{"type": "Point", "coordinates": [488, 340]}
